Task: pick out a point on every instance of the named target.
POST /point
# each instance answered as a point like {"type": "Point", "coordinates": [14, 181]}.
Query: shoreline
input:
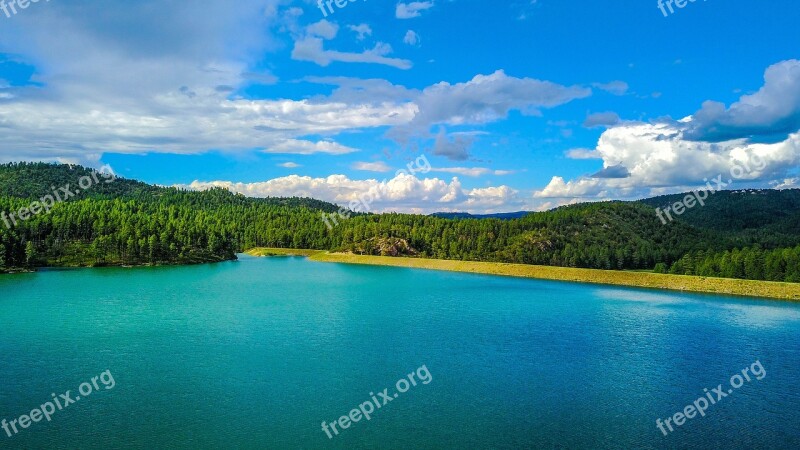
{"type": "Point", "coordinates": [648, 280]}
{"type": "Point", "coordinates": [262, 251]}
{"type": "Point", "coordinates": [118, 265]}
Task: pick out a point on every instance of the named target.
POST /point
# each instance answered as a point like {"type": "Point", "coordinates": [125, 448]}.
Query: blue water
{"type": "Point", "coordinates": [258, 353]}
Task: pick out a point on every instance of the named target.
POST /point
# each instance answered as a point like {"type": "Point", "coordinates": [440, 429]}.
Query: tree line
{"type": "Point", "coordinates": [132, 223]}
{"type": "Point", "coordinates": [751, 263]}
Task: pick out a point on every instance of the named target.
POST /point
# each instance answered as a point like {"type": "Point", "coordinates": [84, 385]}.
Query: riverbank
{"type": "Point", "coordinates": [683, 283]}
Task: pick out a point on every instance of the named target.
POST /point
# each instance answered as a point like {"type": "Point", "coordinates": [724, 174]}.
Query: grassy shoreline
{"type": "Point", "coordinates": [683, 283]}
{"type": "Point", "coordinates": [261, 251]}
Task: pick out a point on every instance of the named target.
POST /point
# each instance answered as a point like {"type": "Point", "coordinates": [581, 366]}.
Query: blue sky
{"type": "Point", "coordinates": [516, 105]}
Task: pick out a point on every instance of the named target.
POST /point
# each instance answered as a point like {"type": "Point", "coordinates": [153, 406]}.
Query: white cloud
{"type": "Point", "coordinates": [772, 111]}
{"type": "Point", "coordinates": [301, 147]}
{"type": "Point", "coordinates": [310, 46]}
{"type": "Point", "coordinates": [411, 38]}
{"type": "Point", "coordinates": [312, 49]}
{"type": "Point", "coordinates": [646, 159]}
{"type": "Point", "coordinates": [658, 161]}
{"type": "Point", "coordinates": [615, 87]}
{"type": "Point", "coordinates": [323, 29]}
{"type": "Point", "coordinates": [472, 171]}
{"type": "Point", "coordinates": [362, 30]}
{"type": "Point", "coordinates": [603, 119]}
{"type": "Point", "coordinates": [455, 147]}
{"type": "Point", "coordinates": [491, 199]}
{"type": "Point", "coordinates": [289, 165]}
{"type": "Point", "coordinates": [158, 88]}
{"type": "Point", "coordinates": [787, 183]}
{"type": "Point", "coordinates": [378, 166]}
{"type": "Point", "coordinates": [403, 193]}
{"type": "Point", "coordinates": [488, 98]}
{"type": "Point", "coordinates": [582, 153]}
{"type": "Point", "coordinates": [466, 171]}
{"type": "Point", "coordinates": [411, 10]}
{"type": "Point", "coordinates": [187, 125]}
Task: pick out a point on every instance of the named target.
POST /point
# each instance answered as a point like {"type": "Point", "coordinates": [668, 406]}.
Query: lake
{"type": "Point", "coordinates": [260, 352]}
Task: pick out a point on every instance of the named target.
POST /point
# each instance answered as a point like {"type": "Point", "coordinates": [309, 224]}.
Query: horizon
{"type": "Point", "coordinates": [477, 215]}
{"type": "Point", "coordinates": [276, 98]}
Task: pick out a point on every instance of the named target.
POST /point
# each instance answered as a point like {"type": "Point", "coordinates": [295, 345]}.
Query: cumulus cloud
{"type": "Point", "coordinates": [488, 98]}
{"type": "Point", "coordinates": [644, 159]}
{"type": "Point", "coordinates": [659, 161]}
{"type": "Point", "coordinates": [193, 115]}
{"type": "Point", "coordinates": [773, 111]}
{"type": "Point", "coordinates": [189, 125]}
{"type": "Point", "coordinates": [156, 88]}
{"type": "Point", "coordinates": [481, 100]}
{"type": "Point", "coordinates": [411, 10]}
{"type": "Point", "coordinates": [491, 199]}
{"type": "Point", "coordinates": [403, 193]}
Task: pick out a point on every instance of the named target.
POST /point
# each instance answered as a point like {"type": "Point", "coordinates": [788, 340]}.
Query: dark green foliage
{"type": "Point", "coordinates": [128, 222]}
{"type": "Point", "coordinates": [751, 216]}
{"type": "Point", "coordinates": [753, 263]}
{"type": "Point", "coordinates": [611, 235]}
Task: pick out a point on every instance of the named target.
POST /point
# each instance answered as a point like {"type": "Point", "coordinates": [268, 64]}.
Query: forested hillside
{"type": "Point", "coordinates": [766, 217]}
{"type": "Point", "coordinates": [130, 223]}
{"type": "Point", "coordinates": [126, 222]}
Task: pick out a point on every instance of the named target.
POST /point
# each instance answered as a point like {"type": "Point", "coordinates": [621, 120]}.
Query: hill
{"type": "Point", "coordinates": [457, 215]}
{"type": "Point", "coordinates": [767, 217]}
{"type": "Point", "coordinates": [127, 222]}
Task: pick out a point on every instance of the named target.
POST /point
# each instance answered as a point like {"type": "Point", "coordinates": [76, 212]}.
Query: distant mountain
{"type": "Point", "coordinates": [504, 216]}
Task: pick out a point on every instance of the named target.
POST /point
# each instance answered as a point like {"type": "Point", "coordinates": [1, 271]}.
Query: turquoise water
{"type": "Point", "coordinates": [258, 353]}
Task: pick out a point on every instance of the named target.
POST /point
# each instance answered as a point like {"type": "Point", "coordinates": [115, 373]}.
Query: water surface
{"type": "Point", "coordinates": [258, 353]}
